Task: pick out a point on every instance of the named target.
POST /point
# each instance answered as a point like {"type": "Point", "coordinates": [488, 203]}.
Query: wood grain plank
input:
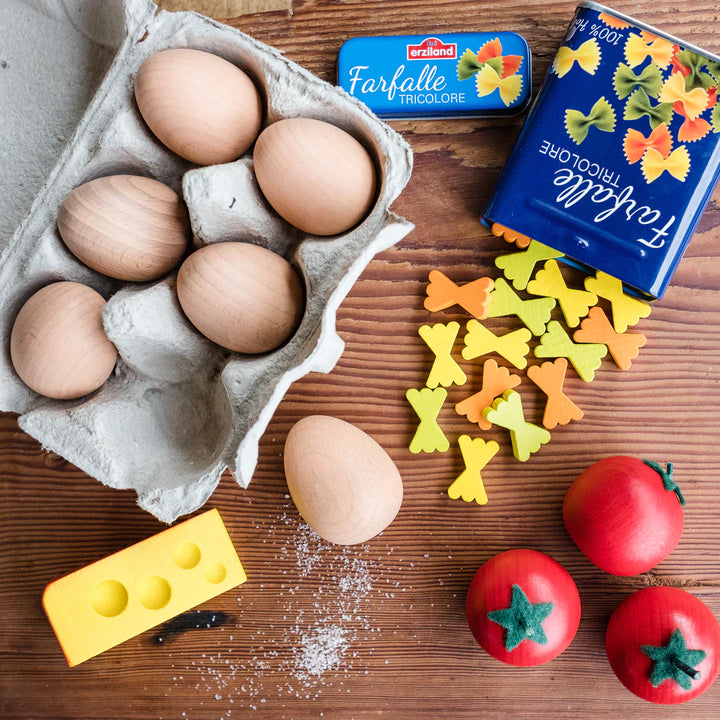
{"type": "Point", "coordinates": [406, 651]}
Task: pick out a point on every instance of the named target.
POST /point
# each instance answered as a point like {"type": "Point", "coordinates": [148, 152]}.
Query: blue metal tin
{"type": "Point", "coordinates": [620, 152]}
{"type": "Point", "coordinates": [438, 76]}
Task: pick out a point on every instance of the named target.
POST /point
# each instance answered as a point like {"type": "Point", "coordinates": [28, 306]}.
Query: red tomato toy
{"type": "Point", "coordinates": [664, 645]}
{"type": "Point", "coordinates": [625, 514]}
{"type": "Point", "coordinates": [523, 607]}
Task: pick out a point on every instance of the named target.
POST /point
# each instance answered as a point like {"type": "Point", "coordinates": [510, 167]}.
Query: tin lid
{"type": "Point", "coordinates": [451, 75]}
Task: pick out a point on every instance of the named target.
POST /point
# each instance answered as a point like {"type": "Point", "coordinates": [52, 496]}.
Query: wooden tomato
{"type": "Point", "coordinates": [523, 607]}
{"type": "Point", "coordinates": [664, 645]}
{"type": "Point", "coordinates": [625, 514]}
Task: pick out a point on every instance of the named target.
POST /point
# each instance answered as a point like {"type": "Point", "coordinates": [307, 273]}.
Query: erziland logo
{"type": "Point", "coordinates": [432, 48]}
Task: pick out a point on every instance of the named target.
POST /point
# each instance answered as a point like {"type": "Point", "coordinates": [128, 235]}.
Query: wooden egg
{"type": "Point", "coordinates": [58, 345]}
{"type": "Point", "coordinates": [199, 105]}
{"type": "Point", "coordinates": [314, 175]}
{"type": "Point", "coordinates": [241, 296]}
{"type": "Point", "coordinates": [125, 226]}
{"type": "Point", "coordinates": [345, 486]}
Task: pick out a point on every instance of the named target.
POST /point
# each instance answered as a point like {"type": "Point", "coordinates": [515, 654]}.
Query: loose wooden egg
{"type": "Point", "coordinates": [125, 226]}
{"type": "Point", "coordinates": [58, 345]}
{"type": "Point", "coordinates": [199, 105]}
{"type": "Point", "coordinates": [241, 296]}
{"type": "Point", "coordinates": [345, 486]}
{"type": "Point", "coordinates": [315, 175]}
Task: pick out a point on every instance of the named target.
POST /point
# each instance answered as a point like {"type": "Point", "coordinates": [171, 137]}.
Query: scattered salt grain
{"type": "Point", "coordinates": [321, 650]}
{"type": "Point", "coordinates": [325, 595]}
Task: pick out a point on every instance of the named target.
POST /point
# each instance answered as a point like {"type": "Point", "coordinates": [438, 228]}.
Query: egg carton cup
{"type": "Point", "coordinates": [178, 409]}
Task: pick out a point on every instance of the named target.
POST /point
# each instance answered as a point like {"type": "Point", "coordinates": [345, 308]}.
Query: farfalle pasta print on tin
{"type": "Point", "coordinates": [620, 152]}
{"type": "Point", "coordinates": [657, 81]}
{"type": "Point", "coordinates": [493, 71]}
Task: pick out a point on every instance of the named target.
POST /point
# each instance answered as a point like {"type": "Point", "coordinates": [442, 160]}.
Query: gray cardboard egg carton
{"type": "Point", "coordinates": [178, 409]}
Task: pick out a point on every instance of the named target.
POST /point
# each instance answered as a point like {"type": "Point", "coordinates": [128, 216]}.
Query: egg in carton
{"type": "Point", "coordinates": [178, 409]}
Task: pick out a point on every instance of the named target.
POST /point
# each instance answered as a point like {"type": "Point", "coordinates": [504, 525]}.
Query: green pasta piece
{"type": "Point", "coordinates": [496, 63]}
{"type": "Point", "coordinates": [638, 105]}
{"type": "Point", "coordinates": [626, 81]}
{"type": "Point", "coordinates": [714, 69]}
{"type": "Point", "coordinates": [715, 118]}
{"type": "Point", "coordinates": [696, 78]}
{"type": "Point", "coordinates": [468, 65]}
{"type": "Point", "coordinates": [601, 116]}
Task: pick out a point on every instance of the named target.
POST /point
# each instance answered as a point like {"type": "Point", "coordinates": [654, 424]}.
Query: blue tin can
{"type": "Point", "coordinates": [453, 75]}
{"type": "Point", "coordinates": [620, 152]}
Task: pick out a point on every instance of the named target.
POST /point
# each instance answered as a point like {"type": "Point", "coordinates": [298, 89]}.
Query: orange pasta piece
{"type": "Point", "coordinates": [550, 377]}
{"type": "Point", "coordinates": [491, 49]}
{"type": "Point", "coordinates": [443, 293]}
{"type": "Point", "coordinates": [623, 347]}
{"type": "Point", "coordinates": [522, 241]}
{"type": "Point", "coordinates": [612, 21]}
{"type": "Point", "coordinates": [635, 143]}
{"type": "Point", "coordinates": [511, 64]}
{"type": "Point", "coordinates": [496, 380]}
{"type": "Point", "coordinates": [692, 130]}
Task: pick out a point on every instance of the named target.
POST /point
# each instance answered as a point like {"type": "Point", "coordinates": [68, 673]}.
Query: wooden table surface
{"type": "Point", "coordinates": [379, 630]}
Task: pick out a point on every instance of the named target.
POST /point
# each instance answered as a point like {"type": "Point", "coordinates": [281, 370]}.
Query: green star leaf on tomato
{"type": "Point", "coordinates": [674, 661]}
{"type": "Point", "coordinates": [522, 620]}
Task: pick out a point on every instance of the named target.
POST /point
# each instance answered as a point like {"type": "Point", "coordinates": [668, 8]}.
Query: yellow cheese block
{"type": "Point", "coordinates": [124, 594]}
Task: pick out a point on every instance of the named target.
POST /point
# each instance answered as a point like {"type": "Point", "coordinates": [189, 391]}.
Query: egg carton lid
{"type": "Point", "coordinates": [81, 37]}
